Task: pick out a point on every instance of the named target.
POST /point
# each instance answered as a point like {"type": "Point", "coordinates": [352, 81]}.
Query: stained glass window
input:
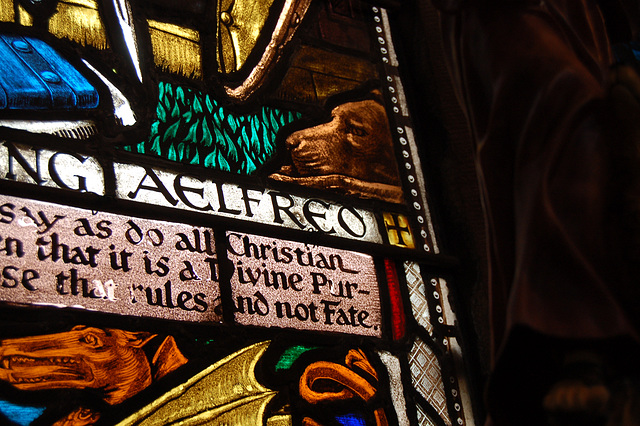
{"type": "Point", "coordinates": [215, 213]}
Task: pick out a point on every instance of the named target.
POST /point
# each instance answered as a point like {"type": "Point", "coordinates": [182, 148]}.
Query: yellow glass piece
{"type": "Point", "coordinates": [6, 11]}
{"type": "Point", "coordinates": [398, 230]}
{"type": "Point", "coordinates": [240, 23]}
{"type": "Point", "coordinates": [24, 18]}
{"type": "Point", "coordinates": [226, 393]}
{"type": "Point", "coordinates": [335, 64]}
{"type": "Point", "coordinates": [289, 20]}
{"type": "Point", "coordinates": [79, 21]}
{"type": "Point", "coordinates": [176, 49]}
{"type": "Point", "coordinates": [326, 85]}
{"type": "Point", "coordinates": [280, 420]}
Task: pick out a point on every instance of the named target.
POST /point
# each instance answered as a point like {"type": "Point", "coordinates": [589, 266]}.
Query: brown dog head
{"type": "Point", "coordinates": [353, 153]}
{"type": "Point", "coordinates": [356, 143]}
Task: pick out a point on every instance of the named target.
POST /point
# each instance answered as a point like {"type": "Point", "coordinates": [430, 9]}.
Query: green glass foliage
{"type": "Point", "coordinates": [191, 127]}
{"type": "Point", "coordinates": [291, 355]}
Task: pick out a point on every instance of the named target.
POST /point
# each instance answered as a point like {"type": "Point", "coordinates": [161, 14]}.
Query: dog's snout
{"type": "Point", "coordinates": [293, 140]}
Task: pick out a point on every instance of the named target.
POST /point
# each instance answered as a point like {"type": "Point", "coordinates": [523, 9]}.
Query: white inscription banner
{"type": "Point", "coordinates": [166, 188]}
{"type": "Point", "coordinates": [53, 169]}
{"type": "Point", "coordinates": [295, 285]}
{"type": "Point", "coordinates": [70, 257]}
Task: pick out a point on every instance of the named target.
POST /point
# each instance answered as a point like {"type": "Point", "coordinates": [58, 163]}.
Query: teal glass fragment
{"type": "Point", "coordinates": [290, 355]}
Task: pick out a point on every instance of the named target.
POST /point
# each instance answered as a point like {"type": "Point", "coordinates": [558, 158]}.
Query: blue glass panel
{"type": "Point", "coordinates": [35, 76]}
{"type": "Point", "coordinates": [351, 420]}
{"type": "Point", "coordinates": [22, 415]}
{"type": "Point", "coordinates": [86, 94]}
{"type": "Point", "coordinates": [24, 90]}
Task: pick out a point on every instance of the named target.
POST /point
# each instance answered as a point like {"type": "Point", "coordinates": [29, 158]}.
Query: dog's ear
{"type": "Point", "coordinates": [376, 95]}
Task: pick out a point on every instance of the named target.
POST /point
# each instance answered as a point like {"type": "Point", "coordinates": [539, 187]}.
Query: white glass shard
{"type": "Point", "coordinates": [449, 315]}
{"type": "Point", "coordinates": [426, 377]}
{"type": "Point", "coordinates": [80, 129]}
{"type": "Point", "coordinates": [125, 20]}
{"type": "Point", "coordinates": [387, 30]}
{"type": "Point", "coordinates": [395, 383]}
{"type": "Point", "coordinates": [121, 105]}
{"type": "Point", "coordinates": [463, 386]}
{"type": "Point", "coordinates": [423, 418]}
{"type": "Point", "coordinates": [417, 295]}
{"type": "Point", "coordinates": [423, 190]}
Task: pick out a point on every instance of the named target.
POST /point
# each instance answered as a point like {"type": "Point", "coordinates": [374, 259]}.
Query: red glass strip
{"type": "Point", "coordinates": [398, 320]}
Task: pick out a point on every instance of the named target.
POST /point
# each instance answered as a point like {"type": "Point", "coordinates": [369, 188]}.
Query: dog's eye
{"type": "Point", "coordinates": [356, 130]}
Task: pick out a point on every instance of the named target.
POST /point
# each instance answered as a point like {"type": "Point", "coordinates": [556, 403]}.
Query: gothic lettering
{"type": "Point", "coordinates": [43, 167]}
{"type": "Point", "coordinates": [158, 187]}
{"type": "Point", "coordinates": [67, 256]}
{"type": "Point", "coordinates": [277, 283]}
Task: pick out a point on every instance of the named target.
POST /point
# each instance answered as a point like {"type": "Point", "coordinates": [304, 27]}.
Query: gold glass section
{"type": "Point", "coordinates": [226, 393]}
{"type": "Point", "coordinates": [334, 64]}
{"type": "Point", "coordinates": [6, 11]}
{"type": "Point", "coordinates": [176, 49]}
{"type": "Point", "coordinates": [398, 230]}
{"type": "Point", "coordinates": [24, 18]}
{"type": "Point", "coordinates": [315, 74]}
{"type": "Point", "coordinates": [239, 25]}
{"type": "Point", "coordinates": [289, 20]}
{"type": "Point", "coordinates": [79, 21]}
